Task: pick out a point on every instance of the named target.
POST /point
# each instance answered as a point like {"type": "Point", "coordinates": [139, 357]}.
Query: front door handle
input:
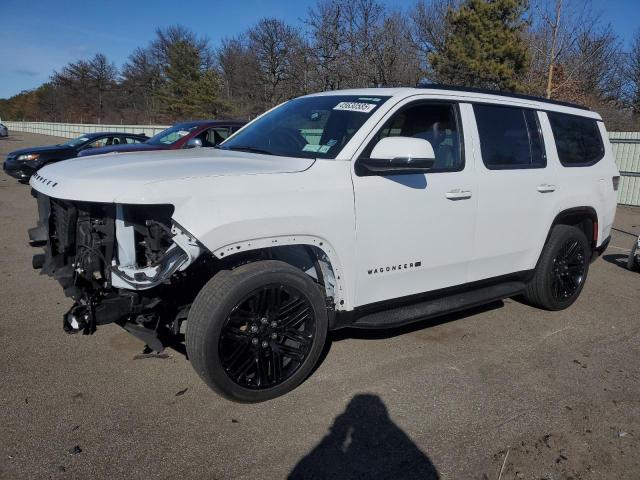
{"type": "Point", "coordinates": [546, 188]}
{"type": "Point", "coordinates": [458, 194]}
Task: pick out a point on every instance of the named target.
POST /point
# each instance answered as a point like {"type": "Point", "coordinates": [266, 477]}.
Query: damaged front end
{"type": "Point", "coordinates": [124, 264]}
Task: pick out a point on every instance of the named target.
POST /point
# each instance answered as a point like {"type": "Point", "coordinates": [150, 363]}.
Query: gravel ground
{"type": "Point", "coordinates": [538, 395]}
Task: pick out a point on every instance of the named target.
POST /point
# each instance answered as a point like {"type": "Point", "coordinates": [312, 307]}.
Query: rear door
{"type": "Point", "coordinates": [516, 189]}
{"type": "Point", "coordinates": [413, 232]}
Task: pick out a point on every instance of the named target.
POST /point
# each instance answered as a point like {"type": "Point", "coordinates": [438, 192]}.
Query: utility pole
{"type": "Point", "coordinates": [554, 39]}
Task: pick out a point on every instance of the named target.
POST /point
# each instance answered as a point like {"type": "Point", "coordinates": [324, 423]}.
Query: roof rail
{"type": "Point", "coordinates": [439, 86]}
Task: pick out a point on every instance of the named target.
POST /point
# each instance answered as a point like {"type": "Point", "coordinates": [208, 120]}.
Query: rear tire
{"type": "Point", "coordinates": [561, 271]}
{"type": "Point", "coordinates": [256, 332]}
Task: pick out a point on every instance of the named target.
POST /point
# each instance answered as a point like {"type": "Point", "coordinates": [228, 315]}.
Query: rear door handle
{"type": "Point", "coordinates": [546, 188]}
{"type": "Point", "coordinates": [458, 194]}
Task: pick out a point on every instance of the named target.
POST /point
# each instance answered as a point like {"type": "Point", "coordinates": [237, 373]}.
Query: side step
{"type": "Point", "coordinates": [402, 315]}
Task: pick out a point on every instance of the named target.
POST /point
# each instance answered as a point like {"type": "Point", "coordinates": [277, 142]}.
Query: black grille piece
{"type": "Point", "coordinates": [62, 228]}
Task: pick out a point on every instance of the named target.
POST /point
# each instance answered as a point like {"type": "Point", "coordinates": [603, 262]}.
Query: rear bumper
{"type": "Point", "coordinates": [600, 250]}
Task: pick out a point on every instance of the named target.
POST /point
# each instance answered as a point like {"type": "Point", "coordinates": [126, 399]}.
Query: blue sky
{"type": "Point", "coordinates": [37, 37]}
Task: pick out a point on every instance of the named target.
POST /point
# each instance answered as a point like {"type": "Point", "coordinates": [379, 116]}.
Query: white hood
{"type": "Point", "coordinates": [104, 178]}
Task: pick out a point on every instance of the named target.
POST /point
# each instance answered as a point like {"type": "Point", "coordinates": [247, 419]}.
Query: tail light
{"type": "Point", "coordinates": [616, 182]}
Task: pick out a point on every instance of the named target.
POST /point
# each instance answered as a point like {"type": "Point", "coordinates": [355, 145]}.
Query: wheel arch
{"type": "Point", "coordinates": [585, 218]}
{"type": "Point", "coordinates": [313, 255]}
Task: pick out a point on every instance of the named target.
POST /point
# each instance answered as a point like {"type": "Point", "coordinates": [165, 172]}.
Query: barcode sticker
{"type": "Point", "coordinates": [355, 107]}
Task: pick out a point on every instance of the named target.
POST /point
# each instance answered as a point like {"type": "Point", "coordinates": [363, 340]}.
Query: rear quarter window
{"type": "Point", "coordinates": [578, 139]}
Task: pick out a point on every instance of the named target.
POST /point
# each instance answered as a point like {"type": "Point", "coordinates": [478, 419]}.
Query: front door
{"type": "Point", "coordinates": [414, 232]}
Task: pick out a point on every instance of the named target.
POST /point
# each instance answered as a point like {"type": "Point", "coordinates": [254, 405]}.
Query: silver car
{"type": "Point", "coordinates": [4, 131]}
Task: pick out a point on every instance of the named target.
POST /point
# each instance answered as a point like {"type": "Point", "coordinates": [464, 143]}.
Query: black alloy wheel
{"type": "Point", "coordinates": [568, 271]}
{"type": "Point", "coordinates": [257, 331]}
{"type": "Point", "coordinates": [267, 336]}
{"type": "Point", "coordinates": [562, 269]}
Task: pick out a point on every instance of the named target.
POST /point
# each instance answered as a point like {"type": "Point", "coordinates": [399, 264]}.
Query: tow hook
{"type": "Point", "coordinates": [79, 319]}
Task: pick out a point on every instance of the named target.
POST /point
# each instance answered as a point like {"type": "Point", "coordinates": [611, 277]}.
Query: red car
{"type": "Point", "coordinates": [199, 133]}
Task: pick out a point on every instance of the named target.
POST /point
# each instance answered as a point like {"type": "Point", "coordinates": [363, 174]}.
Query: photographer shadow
{"type": "Point", "coordinates": [363, 442]}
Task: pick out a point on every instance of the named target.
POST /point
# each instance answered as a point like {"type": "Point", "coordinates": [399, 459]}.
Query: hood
{"type": "Point", "coordinates": [104, 178]}
{"type": "Point", "coordinates": [45, 149]}
{"type": "Point", "coordinates": [134, 147]}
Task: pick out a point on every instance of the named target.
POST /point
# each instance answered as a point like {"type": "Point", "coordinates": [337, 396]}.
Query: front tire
{"type": "Point", "coordinates": [561, 271]}
{"type": "Point", "coordinates": [256, 332]}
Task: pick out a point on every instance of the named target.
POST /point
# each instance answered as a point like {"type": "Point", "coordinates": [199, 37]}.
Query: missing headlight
{"type": "Point", "coordinates": [150, 247]}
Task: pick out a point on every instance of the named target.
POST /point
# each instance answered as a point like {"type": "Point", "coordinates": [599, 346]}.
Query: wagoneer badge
{"type": "Point", "coordinates": [393, 268]}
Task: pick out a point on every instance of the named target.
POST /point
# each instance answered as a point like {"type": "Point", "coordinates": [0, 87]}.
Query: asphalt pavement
{"type": "Point", "coordinates": [505, 391]}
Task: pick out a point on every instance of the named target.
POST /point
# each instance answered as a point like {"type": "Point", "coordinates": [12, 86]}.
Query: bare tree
{"type": "Point", "coordinates": [557, 25]}
{"type": "Point", "coordinates": [363, 20]}
{"type": "Point", "coordinates": [633, 75]}
{"type": "Point", "coordinates": [85, 83]}
{"type": "Point", "coordinates": [327, 43]}
{"type": "Point", "coordinates": [428, 28]}
{"type": "Point", "coordinates": [239, 68]}
{"type": "Point", "coordinates": [394, 54]}
{"type": "Point", "coordinates": [275, 45]}
{"type": "Point", "coordinates": [140, 82]}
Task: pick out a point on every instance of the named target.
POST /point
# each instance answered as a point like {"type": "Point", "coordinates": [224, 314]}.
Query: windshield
{"type": "Point", "coordinates": [308, 127]}
{"type": "Point", "coordinates": [75, 142]}
{"type": "Point", "coordinates": [172, 134]}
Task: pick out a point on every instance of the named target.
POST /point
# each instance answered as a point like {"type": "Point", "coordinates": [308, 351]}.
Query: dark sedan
{"type": "Point", "coordinates": [200, 133]}
{"type": "Point", "coordinates": [21, 164]}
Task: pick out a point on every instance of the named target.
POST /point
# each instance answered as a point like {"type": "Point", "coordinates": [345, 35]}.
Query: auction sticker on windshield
{"type": "Point", "coordinates": [355, 107]}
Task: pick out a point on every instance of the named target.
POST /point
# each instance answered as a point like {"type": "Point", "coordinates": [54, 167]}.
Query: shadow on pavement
{"type": "Point", "coordinates": [618, 259]}
{"type": "Point", "coordinates": [363, 443]}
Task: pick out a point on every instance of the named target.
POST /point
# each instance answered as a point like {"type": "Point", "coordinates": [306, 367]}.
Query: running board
{"type": "Point", "coordinates": [398, 316]}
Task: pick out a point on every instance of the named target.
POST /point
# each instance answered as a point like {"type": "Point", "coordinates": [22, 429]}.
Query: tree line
{"type": "Point", "coordinates": [559, 49]}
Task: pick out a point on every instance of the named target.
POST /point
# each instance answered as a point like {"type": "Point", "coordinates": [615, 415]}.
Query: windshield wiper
{"type": "Point", "coordinates": [247, 148]}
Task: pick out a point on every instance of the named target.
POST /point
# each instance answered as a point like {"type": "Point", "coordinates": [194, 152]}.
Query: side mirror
{"type": "Point", "coordinates": [194, 143]}
{"type": "Point", "coordinates": [398, 156]}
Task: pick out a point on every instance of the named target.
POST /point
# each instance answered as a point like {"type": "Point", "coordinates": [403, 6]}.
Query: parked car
{"type": "Point", "coordinates": [23, 163]}
{"type": "Point", "coordinates": [201, 133]}
{"type": "Point", "coordinates": [4, 131]}
{"type": "Point", "coordinates": [366, 208]}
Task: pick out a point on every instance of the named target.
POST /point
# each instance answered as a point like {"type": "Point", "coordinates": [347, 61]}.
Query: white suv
{"type": "Point", "coordinates": [363, 208]}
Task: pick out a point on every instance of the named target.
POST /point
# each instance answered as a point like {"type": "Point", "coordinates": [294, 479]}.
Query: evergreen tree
{"type": "Point", "coordinates": [190, 90]}
{"type": "Point", "coordinates": [484, 45]}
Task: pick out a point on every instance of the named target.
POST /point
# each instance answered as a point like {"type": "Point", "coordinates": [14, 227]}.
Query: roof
{"type": "Point", "coordinates": [473, 95]}
{"type": "Point", "coordinates": [437, 86]}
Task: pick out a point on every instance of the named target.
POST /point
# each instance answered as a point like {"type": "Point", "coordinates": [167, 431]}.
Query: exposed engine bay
{"type": "Point", "coordinates": [117, 263]}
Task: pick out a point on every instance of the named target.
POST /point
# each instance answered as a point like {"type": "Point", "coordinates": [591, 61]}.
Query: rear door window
{"type": "Point", "coordinates": [578, 139]}
{"type": "Point", "coordinates": [510, 137]}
